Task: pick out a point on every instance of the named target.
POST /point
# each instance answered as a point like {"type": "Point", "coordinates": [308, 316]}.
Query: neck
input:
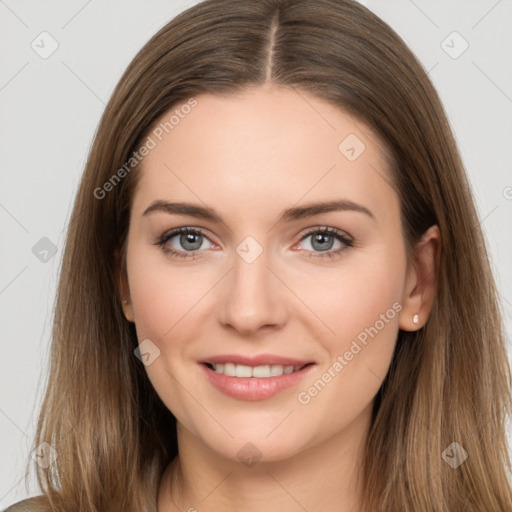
{"type": "Point", "coordinates": [320, 477]}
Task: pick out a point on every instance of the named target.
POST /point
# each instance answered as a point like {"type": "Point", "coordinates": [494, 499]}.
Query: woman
{"type": "Point", "coordinates": [276, 293]}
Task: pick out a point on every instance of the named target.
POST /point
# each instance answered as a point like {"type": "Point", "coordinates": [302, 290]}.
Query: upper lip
{"type": "Point", "coordinates": [258, 360]}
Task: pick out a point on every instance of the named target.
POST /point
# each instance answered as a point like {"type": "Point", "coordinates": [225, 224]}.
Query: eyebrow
{"type": "Point", "coordinates": [290, 214]}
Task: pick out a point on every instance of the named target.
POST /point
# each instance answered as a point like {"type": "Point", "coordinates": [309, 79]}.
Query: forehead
{"type": "Point", "coordinates": [266, 147]}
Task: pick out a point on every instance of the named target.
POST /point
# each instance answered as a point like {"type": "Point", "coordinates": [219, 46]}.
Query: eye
{"type": "Point", "coordinates": [321, 241]}
{"type": "Point", "coordinates": [181, 241]}
{"type": "Point", "coordinates": [186, 242]}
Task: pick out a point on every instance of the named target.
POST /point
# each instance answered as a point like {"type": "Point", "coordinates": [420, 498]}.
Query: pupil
{"type": "Point", "coordinates": [322, 238]}
{"type": "Point", "coordinates": [188, 238]}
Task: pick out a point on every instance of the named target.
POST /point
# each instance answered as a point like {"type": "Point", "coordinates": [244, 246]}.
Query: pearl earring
{"type": "Point", "coordinates": [125, 301]}
{"type": "Point", "coordinates": [415, 319]}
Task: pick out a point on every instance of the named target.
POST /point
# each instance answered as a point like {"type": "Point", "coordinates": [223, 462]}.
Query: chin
{"type": "Point", "coordinates": [248, 448]}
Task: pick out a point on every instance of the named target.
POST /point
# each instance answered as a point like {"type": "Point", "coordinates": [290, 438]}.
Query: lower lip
{"type": "Point", "coordinates": [254, 388]}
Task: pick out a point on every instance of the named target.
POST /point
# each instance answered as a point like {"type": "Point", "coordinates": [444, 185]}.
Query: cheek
{"type": "Point", "coordinates": [170, 303]}
{"type": "Point", "coordinates": [361, 306]}
{"type": "Point", "coordinates": [164, 302]}
{"type": "Point", "coordinates": [355, 295]}
{"type": "Point", "coordinates": [163, 297]}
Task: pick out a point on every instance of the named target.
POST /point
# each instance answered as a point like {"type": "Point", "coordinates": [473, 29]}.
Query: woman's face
{"type": "Point", "coordinates": [267, 277]}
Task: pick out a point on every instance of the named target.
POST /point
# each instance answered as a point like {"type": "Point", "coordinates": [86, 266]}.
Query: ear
{"type": "Point", "coordinates": [421, 282]}
{"type": "Point", "coordinates": [123, 287]}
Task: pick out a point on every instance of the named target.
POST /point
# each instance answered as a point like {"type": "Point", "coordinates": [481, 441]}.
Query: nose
{"type": "Point", "coordinates": [252, 297]}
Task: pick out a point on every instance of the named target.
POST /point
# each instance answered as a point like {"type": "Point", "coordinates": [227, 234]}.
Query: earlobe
{"type": "Point", "coordinates": [128, 311]}
{"type": "Point", "coordinates": [123, 288]}
{"type": "Point", "coordinates": [421, 283]}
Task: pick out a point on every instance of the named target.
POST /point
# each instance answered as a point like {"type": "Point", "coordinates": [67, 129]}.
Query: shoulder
{"type": "Point", "coordinates": [35, 504]}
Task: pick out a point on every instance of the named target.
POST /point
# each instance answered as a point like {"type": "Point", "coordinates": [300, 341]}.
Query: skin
{"type": "Point", "coordinates": [248, 157]}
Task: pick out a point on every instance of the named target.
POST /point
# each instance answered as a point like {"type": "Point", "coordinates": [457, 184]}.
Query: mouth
{"type": "Point", "coordinates": [251, 379]}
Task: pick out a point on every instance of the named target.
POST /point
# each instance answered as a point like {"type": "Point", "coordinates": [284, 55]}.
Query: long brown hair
{"type": "Point", "coordinates": [448, 382]}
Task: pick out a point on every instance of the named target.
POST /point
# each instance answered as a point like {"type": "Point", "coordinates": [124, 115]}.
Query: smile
{"type": "Point", "coordinates": [251, 379]}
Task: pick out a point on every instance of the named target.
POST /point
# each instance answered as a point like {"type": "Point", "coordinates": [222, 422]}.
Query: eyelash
{"type": "Point", "coordinates": [339, 235]}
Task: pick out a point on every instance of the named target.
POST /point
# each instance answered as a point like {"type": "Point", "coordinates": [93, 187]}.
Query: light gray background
{"type": "Point", "coordinates": [50, 109]}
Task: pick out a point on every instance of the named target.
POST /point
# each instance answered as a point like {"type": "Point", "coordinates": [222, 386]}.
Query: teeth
{"type": "Point", "coordinates": [241, 370]}
{"type": "Point", "coordinates": [229, 369]}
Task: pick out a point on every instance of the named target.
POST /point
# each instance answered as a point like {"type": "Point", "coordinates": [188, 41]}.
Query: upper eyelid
{"type": "Point", "coordinates": [185, 229]}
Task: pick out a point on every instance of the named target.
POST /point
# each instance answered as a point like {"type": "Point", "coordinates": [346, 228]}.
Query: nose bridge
{"type": "Point", "coordinates": [252, 298]}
